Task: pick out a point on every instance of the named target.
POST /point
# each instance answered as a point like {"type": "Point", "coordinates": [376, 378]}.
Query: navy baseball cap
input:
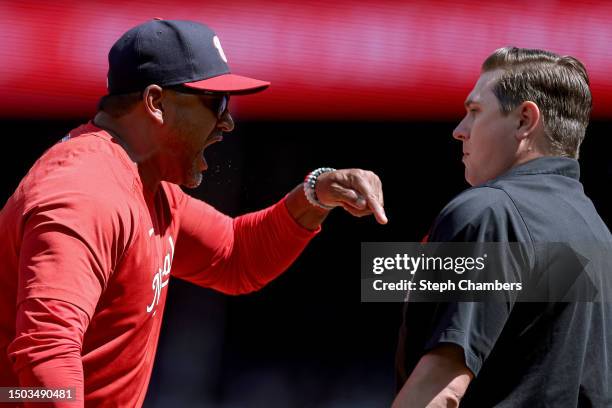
{"type": "Point", "coordinates": [173, 52]}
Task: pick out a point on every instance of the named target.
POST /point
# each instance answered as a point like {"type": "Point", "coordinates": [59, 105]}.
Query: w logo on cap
{"type": "Point", "coordinates": [217, 44]}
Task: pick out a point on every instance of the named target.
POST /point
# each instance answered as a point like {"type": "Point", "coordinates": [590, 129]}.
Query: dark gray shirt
{"type": "Point", "coordinates": [547, 354]}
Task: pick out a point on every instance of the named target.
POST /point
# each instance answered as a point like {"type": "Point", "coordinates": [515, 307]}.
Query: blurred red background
{"type": "Point", "coordinates": [350, 81]}
{"type": "Point", "coordinates": [346, 60]}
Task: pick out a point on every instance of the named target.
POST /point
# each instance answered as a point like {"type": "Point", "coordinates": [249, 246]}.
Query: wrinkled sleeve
{"type": "Point", "coordinates": [236, 255]}
{"type": "Point", "coordinates": [46, 351]}
{"type": "Point", "coordinates": [74, 234]}
{"type": "Point", "coordinates": [71, 244]}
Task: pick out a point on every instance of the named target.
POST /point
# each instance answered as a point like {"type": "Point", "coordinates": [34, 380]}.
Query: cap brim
{"type": "Point", "coordinates": [230, 83]}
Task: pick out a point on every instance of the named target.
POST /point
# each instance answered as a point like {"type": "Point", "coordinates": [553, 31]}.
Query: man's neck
{"type": "Point", "coordinates": [104, 121]}
{"type": "Point", "coordinates": [139, 153]}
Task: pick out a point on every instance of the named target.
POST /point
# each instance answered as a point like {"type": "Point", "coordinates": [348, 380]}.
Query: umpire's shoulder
{"type": "Point", "coordinates": [476, 208]}
{"type": "Point", "coordinates": [476, 200]}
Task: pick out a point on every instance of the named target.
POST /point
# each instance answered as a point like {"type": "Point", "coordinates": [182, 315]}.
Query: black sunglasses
{"type": "Point", "coordinates": [215, 101]}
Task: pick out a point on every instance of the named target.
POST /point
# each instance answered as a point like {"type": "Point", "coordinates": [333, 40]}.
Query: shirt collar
{"type": "Point", "coordinates": [563, 166]}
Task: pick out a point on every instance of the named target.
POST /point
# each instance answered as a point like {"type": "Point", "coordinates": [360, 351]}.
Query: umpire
{"type": "Point", "coordinates": [525, 120]}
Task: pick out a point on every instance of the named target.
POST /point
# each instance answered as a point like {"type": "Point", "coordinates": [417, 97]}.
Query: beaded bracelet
{"type": "Point", "coordinates": [309, 187]}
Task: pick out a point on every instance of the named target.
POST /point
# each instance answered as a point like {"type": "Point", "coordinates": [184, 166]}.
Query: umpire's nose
{"type": "Point", "coordinates": [461, 132]}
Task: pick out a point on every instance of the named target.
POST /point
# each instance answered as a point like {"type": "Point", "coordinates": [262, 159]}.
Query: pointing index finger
{"type": "Point", "coordinates": [373, 199]}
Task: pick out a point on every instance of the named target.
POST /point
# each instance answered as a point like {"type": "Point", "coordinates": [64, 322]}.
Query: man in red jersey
{"type": "Point", "coordinates": [98, 225]}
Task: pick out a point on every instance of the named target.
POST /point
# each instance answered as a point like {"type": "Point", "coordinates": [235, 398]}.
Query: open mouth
{"type": "Point", "coordinates": [214, 139]}
{"type": "Point", "coordinates": [200, 156]}
{"type": "Point", "coordinates": [210, 142]}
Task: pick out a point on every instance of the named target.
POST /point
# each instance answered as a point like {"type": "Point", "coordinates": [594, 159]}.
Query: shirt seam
{"type": "Point", "coordinates": [72, 294]}
{"type": "Point", "coordinates": [465, 347]}
{"type": "Point", "coordinates": [522, 219]}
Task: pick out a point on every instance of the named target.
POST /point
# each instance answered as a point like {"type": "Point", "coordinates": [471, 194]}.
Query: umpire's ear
{"type": "Point", "coordinates": [152, 98]}
{"type": "Point", "coordinates": [529, 120]}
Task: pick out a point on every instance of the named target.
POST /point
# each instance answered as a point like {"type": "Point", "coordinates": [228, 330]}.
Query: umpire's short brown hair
{"type": "Point", "coordinates": [559, 85]}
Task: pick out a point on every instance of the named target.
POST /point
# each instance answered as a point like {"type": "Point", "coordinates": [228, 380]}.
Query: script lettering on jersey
{"type": "Point", "coordinates": [160, 279]}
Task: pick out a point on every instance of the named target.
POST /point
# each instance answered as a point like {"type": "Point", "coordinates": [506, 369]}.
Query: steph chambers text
{"type": "Point", "coordinates": [424, 285]}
